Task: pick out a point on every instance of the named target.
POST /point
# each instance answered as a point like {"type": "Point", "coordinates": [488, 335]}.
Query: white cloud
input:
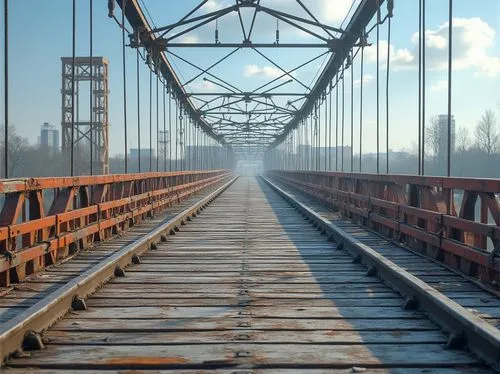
{"type": "Point", "coordinates": [334, 11]}
{"type": "Point", "coordinates": [473, 40]}
{"type": "Point", "coordinates": [329, 12]}
{"type": "Point", "coordinates": [399, 58]}
{"type": "Point", "coordinates": [367, 78]}
{"type": "Point", "coordinates": [189, 38]}
{"type": "Point", "coordinates": [432, 39]}
{"type": "Point", "coordinates": [269, 72]}
{"type": "Point", "coordinates": [213, 5]}
{"type": "Point", "coordinates": [440, 86]}
{"type": "Point", "coordinates": [203, 86]}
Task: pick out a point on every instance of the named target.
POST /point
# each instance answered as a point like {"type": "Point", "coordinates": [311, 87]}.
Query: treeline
{"type": "Point", "coordinates": [28, 160]}
{"type": "Point", "coordinates": [476, 153]}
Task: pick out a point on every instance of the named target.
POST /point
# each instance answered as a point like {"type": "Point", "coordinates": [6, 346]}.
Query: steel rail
{"type": "Point", "coordinates": [463, 326]}
{"type": "Point", "coordinates": [48, 310]}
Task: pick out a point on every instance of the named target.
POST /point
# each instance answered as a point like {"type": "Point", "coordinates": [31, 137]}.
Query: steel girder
{"type": "Point", "coordinates": [234, 116]}
{"type": "Point", "coordinates": [138, 21]}
{"type": "Point", "coordinates": [364, 13]}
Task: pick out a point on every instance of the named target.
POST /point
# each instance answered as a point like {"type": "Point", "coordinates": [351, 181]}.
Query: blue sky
{"type": "Point", "coordinates": [40, 33]}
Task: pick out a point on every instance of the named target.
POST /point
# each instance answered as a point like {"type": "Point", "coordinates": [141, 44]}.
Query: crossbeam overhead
{"type": "Point", "coordinates": [228, 112]}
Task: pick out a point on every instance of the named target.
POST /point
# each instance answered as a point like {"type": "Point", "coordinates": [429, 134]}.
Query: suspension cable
{"type": "Point", "coordinates": [170, 129]}
{"type": "Point", "coordinates": [305, 137]}
{"type": "Point", "coordinates": [352, 111]}
{"type": "Point", "coordinates": [387, 91]}
{"type": "Point", "coordinates": [420, 87]}
{"type": "Point", "coordinates": [330, 130]}
{"type": "Point", "coordinates": [361, 104]}
{"type": "Point", "coordinates": [157, 125]}
{"type": "Point", "coordinates": [312, 143]}
{"type": "Point", "coordinates": [195, 147]}
{"type": "Point", "coordinates": [450, 61]}
{"type": "Point", "coordinates": [186, 144]}
{"type": "Point", "coordinates": [138, 114]}
{"type": "Point", "coordinates": [318, 137]}
{"type": "Point", "coordinates": [91, 79]}
{"type": "Point", "coordinates": [316, 148]}
{"type": "Point", "coordinates": [6, 88]}
{"type": "Point", "coordinates": [182, 135]}
{"type": "Point", "coordinates": [164, 129]}
{"type": "Point", "coordinates": [203, 155]}
{"type": "Point", "coordinates": [378, 86]}
{"type": "Point", "coordinates": [73, 60]}
{"type": "Point", "coordinates": [326, 132]}
{"type": "Point", "coordinates": [124, 87]}
{"type": "Point", "coordinates": [150, 120]}
{"type": "Point", "coordinates": [423, 87]}
{"type": "Point", "coordinates": [176, 134]}
{"type": "Point", "coordinates": [343, 112]}
{"type": "Point", "coordinates": [337, 122]}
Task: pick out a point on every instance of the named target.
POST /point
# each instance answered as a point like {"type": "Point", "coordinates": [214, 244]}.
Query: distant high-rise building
{"type": "Point", "coordinates": [443, 134]}
{"type": "Point", "coordinates": [442, 142]}
{"type": "Point", "coordinates": [49, 138]}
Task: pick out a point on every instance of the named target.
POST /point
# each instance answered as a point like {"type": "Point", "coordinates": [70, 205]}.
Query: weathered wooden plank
{"type": "Point", "coordinates": [254, 311]}
{"type": "Point", "coordinates": [463, 369]}
{"type": "Point", "coordinates": [237, 301]}
{"type": "Point", "coordinates": [207, 292]}
{"type": "Point", "coordinates": [250, 336]}
{"type": "Point", "coordinates": [80, 323]}
{"type": "Point", "coordinates": [197, 356]}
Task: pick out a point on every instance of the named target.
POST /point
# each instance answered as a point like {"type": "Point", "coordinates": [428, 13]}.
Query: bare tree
{"type": "Point", "coordinates": [463, 140]}
{"type": "Point", "coordinates": [18, 146]}
{"type": "Point", "coordinates": [434, 137]}
{"type": "Point", "coordinates": [487, 138]}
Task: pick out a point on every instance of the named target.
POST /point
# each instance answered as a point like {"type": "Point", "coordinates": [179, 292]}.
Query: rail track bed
{"type": "Point", "coordinates": [18, 297]}
{"type": "Point", "coordinates": [248, 287]}
{"type": "Point", "coordinates": [481, 300]}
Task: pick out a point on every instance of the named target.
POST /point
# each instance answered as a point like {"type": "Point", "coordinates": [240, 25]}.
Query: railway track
{"type": "Point", "coordinates": [249, 286]}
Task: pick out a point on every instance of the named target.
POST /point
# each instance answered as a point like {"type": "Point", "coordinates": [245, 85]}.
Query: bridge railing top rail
{"type": "Point", "coordinates": [455, 220]}
{"type": "Point", "coordinates": [491, 185]}
{"type": "Point", "coordinates": [40, 183]}
{"type": "Point", "coordinates": [43, 220]}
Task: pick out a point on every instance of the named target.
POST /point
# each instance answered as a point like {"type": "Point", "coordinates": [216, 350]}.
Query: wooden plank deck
{"type": "Point", "coordinates": [19, 297]}
{"type": "Point", "coordinates": [465, 292]}
{"type": "Point", "coordinates": [247, 287]}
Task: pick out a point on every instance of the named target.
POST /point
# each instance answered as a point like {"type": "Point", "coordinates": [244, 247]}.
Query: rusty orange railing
{"type": "Point", "coordinates": [43, 220]}
{"type": "Point", "coordinates": [454, 220]}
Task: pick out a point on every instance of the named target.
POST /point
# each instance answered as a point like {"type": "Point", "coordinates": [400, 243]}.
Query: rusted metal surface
{"type": "Point", "coordinates": [247, 287]}
{"type": "Point", "coordinates": [57, 303]}
{"type": "Point", "coordinates": [44, 220]}
{"type": "Point", "coordinates": [419, 212]}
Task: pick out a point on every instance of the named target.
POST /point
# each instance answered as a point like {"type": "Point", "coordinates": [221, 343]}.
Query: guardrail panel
{"type": "Point", "coordinates": [454, 220]}
{"type": "Point", "coordinates": [83, 210]}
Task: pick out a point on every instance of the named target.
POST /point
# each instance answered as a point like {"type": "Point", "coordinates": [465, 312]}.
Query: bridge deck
{"type": "Point", "coordinates": [247, 286]}
{"type": "Point", "coordinates": [469, 293]}
{"type": "Point", "coordinates": [17, 298]}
